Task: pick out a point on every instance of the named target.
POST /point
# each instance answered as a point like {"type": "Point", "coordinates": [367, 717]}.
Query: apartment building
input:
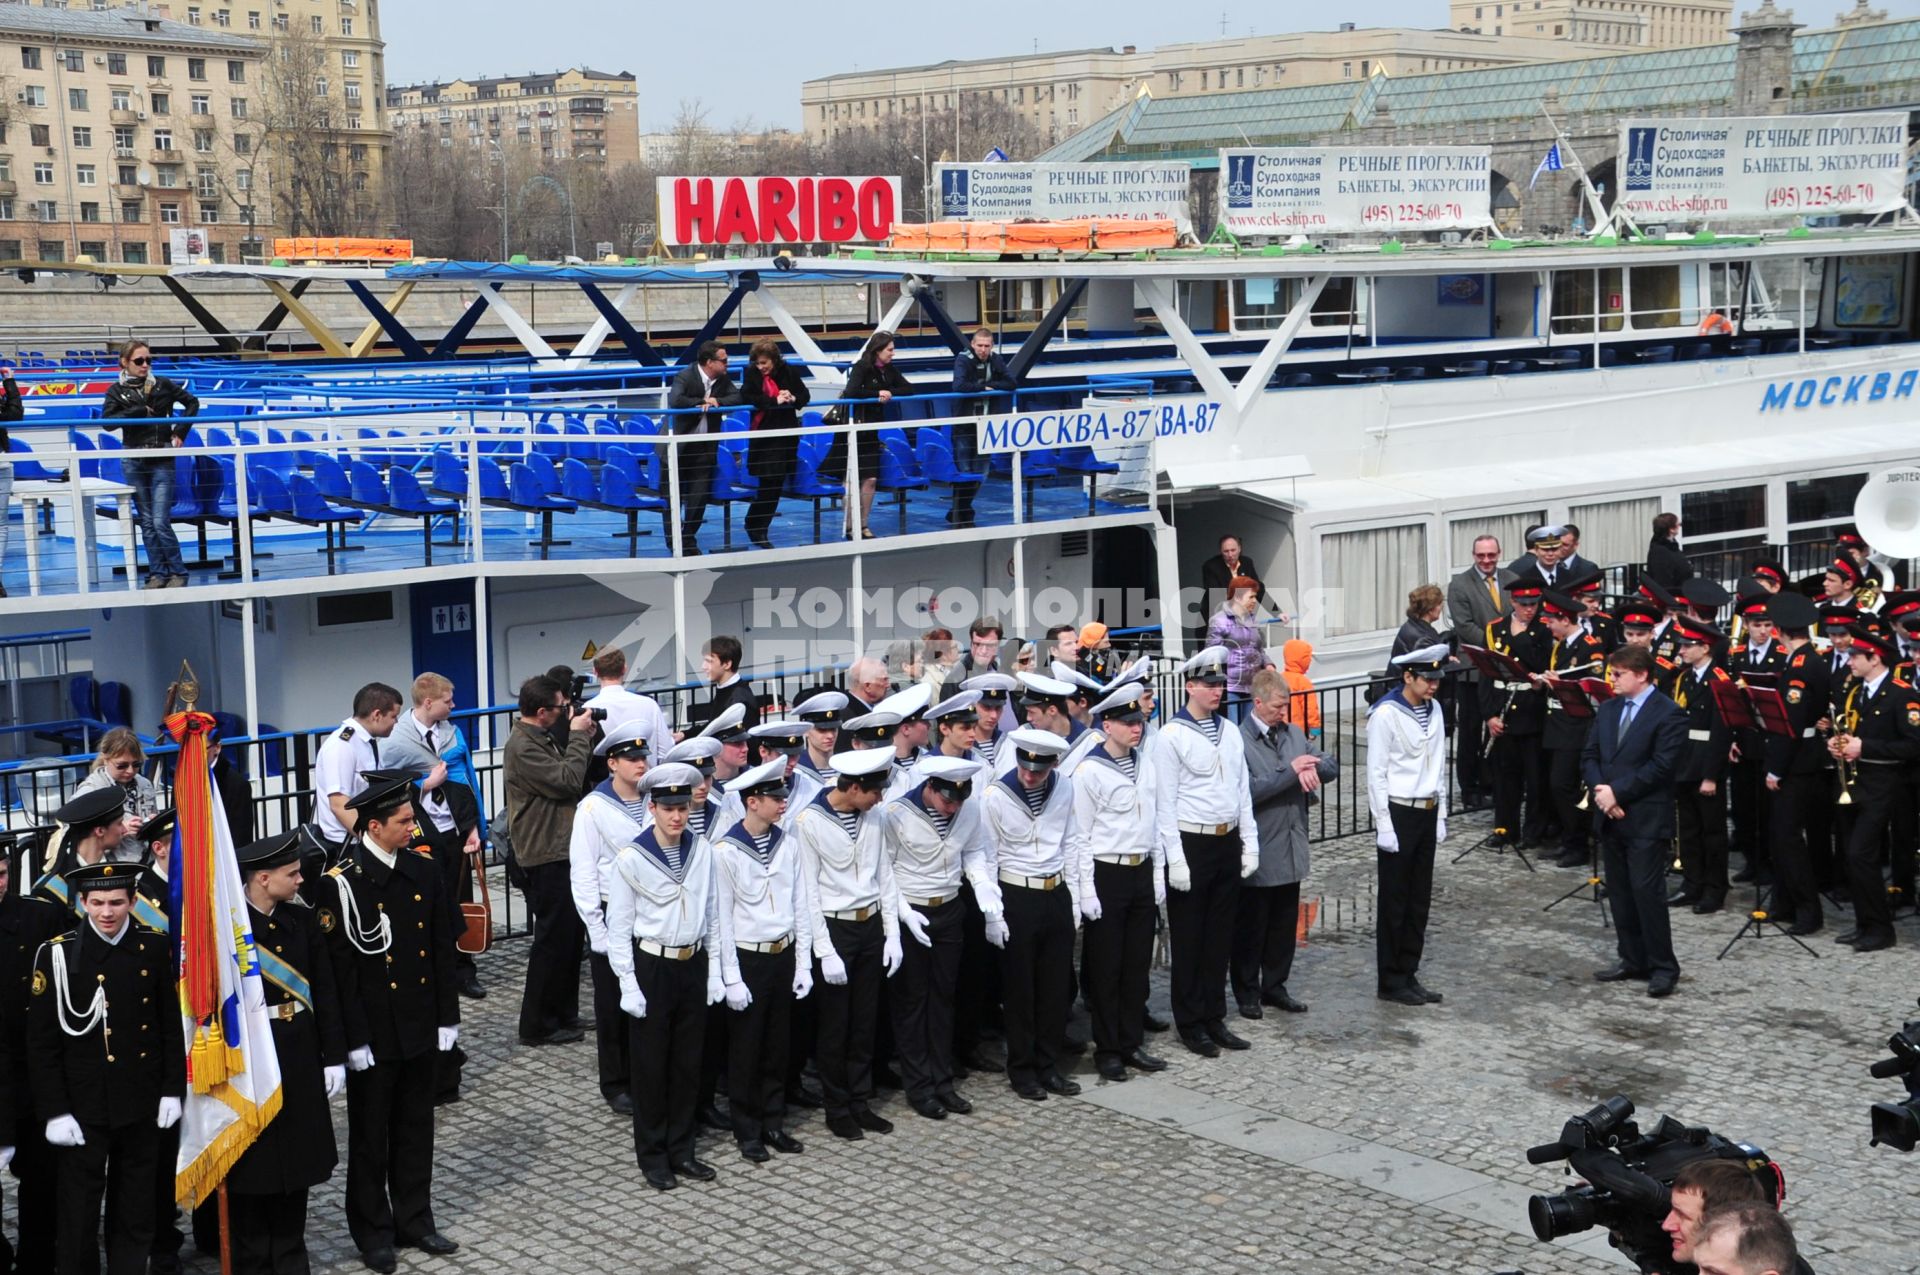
{"type": "Point", "coordinates": [1648, 24]}
{"type": "Point", "coordinates": [582, 114]}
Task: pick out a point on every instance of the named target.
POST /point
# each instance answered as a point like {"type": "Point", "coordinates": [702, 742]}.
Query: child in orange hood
{"type": "Point", "coordinates": [1296, 656]}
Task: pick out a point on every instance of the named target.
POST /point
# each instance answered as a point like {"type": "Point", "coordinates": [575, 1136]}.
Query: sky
{"type": "Point", "coordinates": [746, 79]}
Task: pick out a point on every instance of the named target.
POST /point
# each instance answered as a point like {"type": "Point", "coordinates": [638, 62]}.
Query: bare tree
{"type": "Point", "coordinates": [303, 121]}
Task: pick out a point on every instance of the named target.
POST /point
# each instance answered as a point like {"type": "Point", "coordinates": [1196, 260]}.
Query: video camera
{"type": "Point", "coordinates": [577, 699]}
{"type": "Point", "coordinates": [1629, 1176]}
{"type": "Point", "coordinates": [1898, 1123]}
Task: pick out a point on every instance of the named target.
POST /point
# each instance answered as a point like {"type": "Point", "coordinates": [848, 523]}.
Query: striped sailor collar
{"type": "Point", "coordinates": [740, 837]}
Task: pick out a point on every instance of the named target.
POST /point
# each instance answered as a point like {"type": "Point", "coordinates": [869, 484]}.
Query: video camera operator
{"type": "Point", "coordinates": [1700, 1188]}
{"type": "Point", "coordinates": [543, 783]}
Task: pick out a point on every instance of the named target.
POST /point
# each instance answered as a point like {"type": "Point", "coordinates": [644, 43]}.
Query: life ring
{"type": "Point", "coordinates": [1716, 324]}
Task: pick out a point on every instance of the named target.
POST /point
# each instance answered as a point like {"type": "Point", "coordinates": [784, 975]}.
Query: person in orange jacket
{"type": "Point", "coordinates": [1296, 656]}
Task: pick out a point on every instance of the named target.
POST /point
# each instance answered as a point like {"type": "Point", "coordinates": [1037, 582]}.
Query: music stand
{"type": "Point", "coordinates": [1496, 666]}
{"type": "Point", "coordinates": [1579, 697]}
{"type": "Point", "coordinates": [1762, 708]}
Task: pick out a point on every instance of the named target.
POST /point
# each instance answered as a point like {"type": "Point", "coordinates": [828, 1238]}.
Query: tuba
{"type": "Point", "coordinates": [1887, 515]}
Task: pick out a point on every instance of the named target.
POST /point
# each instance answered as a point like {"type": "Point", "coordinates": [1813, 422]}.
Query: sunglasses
{"type": "Point", "coordinates": [139, 362]}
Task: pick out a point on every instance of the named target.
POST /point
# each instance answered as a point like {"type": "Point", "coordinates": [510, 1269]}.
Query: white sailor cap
{"type": "Point", "coordinates": [871, 767]}
{"type": "Point", "coordinates": [822, 711]}
{"type": "Point", "coordinates": [909, 704]}
{"type": "Point", "coordinates": [671, 784]}
{"type": "Point", "coordinates": [766, 780]}
{"type": "Point", "coordinates": [1138, 671]}
{"type": "Point", "coordinates": [958, 708]}
{"type": "Point", "coordinates": [726, 726]}
{"type": "Point", "coordinates": [1045, 688]}
{"type": "Point", "coordinates": [951, 776]}
{"type": "Point", "coordinates": [625, 739]}
{"type": "Point", "coordinates": [993, 687]}
{"type": "Point", "coordinates": [1428, 661]}
{"type": "Point", "coordinates": [1123, 705]}
{"type": "Point", "coordinates": [876, 727]}
{"type": "Point", "coordinates": [1036, 749]}
{"type": "Point", "coordinates": [781, 736]}
{"type": "Point", "coordinates": [1209, 667]}
{"type": "Point", "coordinates": [1540, 537]}
{"type": "Point", "coordinates": [1074, 677]}
{"type": "Point", "coordinates": [697, 752]}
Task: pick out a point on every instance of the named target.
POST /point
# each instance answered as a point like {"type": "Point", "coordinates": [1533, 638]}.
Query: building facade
{"type": "Point", "coordinates": [592, 116]}
{"type": "Point", "coordinates": [1646, 24]}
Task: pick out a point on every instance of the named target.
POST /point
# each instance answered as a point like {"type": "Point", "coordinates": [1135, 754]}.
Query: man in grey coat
{"type": "Point", "coordinates": [1476, 598]}
{"type": "Point", "coordinates": [1284, 777]}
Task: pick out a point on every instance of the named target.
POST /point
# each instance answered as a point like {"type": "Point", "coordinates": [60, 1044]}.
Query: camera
{"type": "Point", "coordinates": [1898, 1123]}
{"type": "Point", "coordinates": [577, 699]}
{"type": "Point", "coordinates": [1629, 1176]}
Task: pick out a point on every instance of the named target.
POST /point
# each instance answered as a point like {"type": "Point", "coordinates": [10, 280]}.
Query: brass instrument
{"type": "Point", "coordinates": [1586, 798]}
{"type": "Point", "coordinates": [1849, 723]}
{"type": "Point", "coordinates": [1867, 596]}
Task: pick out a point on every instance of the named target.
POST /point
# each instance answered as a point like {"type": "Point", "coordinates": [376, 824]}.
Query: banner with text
{"type": "Point", "coordinates": [767, 211]}
{"type": "Point", "coordinates": [1096, 424]}
{"type": "Point", "coordinates": [1764, 166]}
{"type": "Point", "coordinates": [1346, 189]}
{"type": "Point", "coordinates": [1061, 192]}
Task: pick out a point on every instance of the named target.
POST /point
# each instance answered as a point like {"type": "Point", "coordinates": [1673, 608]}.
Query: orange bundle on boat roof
{"type": "Point", "coordinates": [1049, 236]}
{"type": "Point", "coordinates": [1123, 234]}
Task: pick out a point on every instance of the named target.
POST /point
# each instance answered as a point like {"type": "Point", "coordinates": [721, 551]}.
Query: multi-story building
{"type": "Point", "coordinates": [122, 126]}
{"type": "Point", "coordinates": [1061, 92]}
{"type": "Point", "coordinates": [575, 114]}
{"type": "Point", "coordinates": [1648, 24]}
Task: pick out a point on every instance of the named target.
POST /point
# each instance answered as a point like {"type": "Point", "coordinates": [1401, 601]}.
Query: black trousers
{"type": "Point", "coordinates": [1519, 786]}
{"type": "Point", "coordinates": [1200, 930]}
{"type": "Point", "coordinates": [1266, 924]}
{"type": "Point", "coordinates": [269, 1233]}
{"type": "Point", "coordinates": [757, 1045]}
{"type": "Point", "coordinates": [114, 1167]}
{"type": "Point", "coordinates": [611, 1037]}
{"type": "Point", "coordinates": [1902, 829]}
{"type": "Point", "coordinates": [1747, 801]}
{"type": "Point", "coordinates": [1474, 773]}
{"type": "Point", "coordinates": [920, 1001]}
{"type": "Point", "coordinates": [977, 998]}
{"type": "Point", "coordinates": [1790, 811]}
{"type": "Point", "coordinates": [1116, 956]}
{"type": "Point", "coordinates": [1636, 876]}
{"type": "Point", "coordinates": [666, 1045]}
{"type": "Point", "coordinates": [848, 1016]}
{"type": "Point", "coordinates": [552, 995]}
{"type": "Point", "coordinates": [167, 1238]}
{"type": "Point", "coordinates": [696, 488]}
{"type": "Point", "coordinates": [34, 1170]}
{"type": "Point", "coordinates": [769, 460]}
{"type": "Point", "coordinates": [1702, 829]}
{"type": "Point", "coordinates": [390, 1151]}
{"type": "Point", "coordinates": [1564, 787]}
{"type": "Point", "coordinates": [1877, 790]}
{"type": "Point", "coordinates": [1405, 896]}
{"type": "Point", "coordinates": [1036, 970]}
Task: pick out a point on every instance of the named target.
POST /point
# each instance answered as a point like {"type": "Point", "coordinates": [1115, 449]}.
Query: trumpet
{"type": "Point", "coordinates": [1586, 798]}
{"type": "Point", "coordinates": [1486, 749]}
{"type": "Point", "coordinates": [1849, 722]}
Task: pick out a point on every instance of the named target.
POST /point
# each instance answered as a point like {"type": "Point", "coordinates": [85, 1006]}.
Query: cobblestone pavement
{"type": "Point", "coordinates": [1358, 1137]}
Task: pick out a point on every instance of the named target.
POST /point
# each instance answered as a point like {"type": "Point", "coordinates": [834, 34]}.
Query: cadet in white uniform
{"type": "Point", "coordinates": [849, 888]}
{"type": "Point", "coordinates": [979, 995]}
{"type": "Point", "coordinates": [345, 754]}
{"type": "Point", "coordinates": [1029, 819]}
{"type": "Point", "coordinates": [994, 690]}
{"type": "Point", "coordinates": [934, 837]}
{"type": "Point", "coordinates": [663, 936]}
{"type": "Point", "coordinates": [1407, 789]}
{"type": "Point", "coordinates": [823, 713]}
{"type": "Point", "coordinates": [1204, 811]}
{"type": "Point", "coordinates": [605, 823]}
{"type": "Point", "coordinates": [766, 959]}
{"type": "Point", "coordinates": [910, 740]}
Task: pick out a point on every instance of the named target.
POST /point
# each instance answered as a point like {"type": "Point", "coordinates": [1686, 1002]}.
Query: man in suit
{"type": "Point", "coordinates": [1572, 565]}
{"type": "Point", "coordinates": [1636, 747]}
{"type": "Point", "coordinates": [1475, 599]}
{"type": "Point", "coordinates": [720, 666]}
{"type": "Point", "coordinates": [1542, 555]}
{"type": "Point", "coordinates": [700, 391]}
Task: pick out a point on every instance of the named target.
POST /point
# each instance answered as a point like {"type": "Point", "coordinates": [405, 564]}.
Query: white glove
{"type": "Point", "coordinates": [1249, 863]}
{"type": "Point", "coordinates": [6, 1156]}
{"type": "Point", "coordinates": [64, 1131]}
{"type": "Point", "coordinates": [716, 989]}
{"type": "Point", "coordinates": [597, 940]}
{"type": "Point", "coordinates": [1159, 887]}
{"type": "Point", "coordinates": [916, 923]}
{"type": "Point", "coordinates": [738, 997]}
{"type": "Point", "coordinates": [169, 1114]}
{"type": "Point", "coordinates": [1179, 877]}
{"type": "Point", "coordinates": [1440, 832]}
{"type": "Point", "coordinates": [449, 1037]}
{"type": "Point", "coordinates": [802, 980]}
{"type": "Point", "coordinates": [1386, 840]}
{"type": "Point", "coordinates": [335, 1079]}
{"type": "Point", "coordinates": [632, 1002]}
{"type": "Point", "coordinates": [360, 1059]}
{"type": "Point", "coordinates": [1089, 905]}
{"type": "Point", "coordinates": [833, 969]}
{"type": "Point", "coordinates": [997, 931]}
{"type": "Point", "coordinates": [891, 957]}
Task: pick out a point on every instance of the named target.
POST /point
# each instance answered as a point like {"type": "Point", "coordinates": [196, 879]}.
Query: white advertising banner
{"type": "Point", "coordinates": [1354, 189]}
{"type": "Point", "coordinates": [1764, 166]}
{"type": "Point", "coordinates": [1062, 192]}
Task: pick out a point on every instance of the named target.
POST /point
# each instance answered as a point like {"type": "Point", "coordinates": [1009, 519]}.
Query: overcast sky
{"type": "Point", "coordinates": [749, 63]}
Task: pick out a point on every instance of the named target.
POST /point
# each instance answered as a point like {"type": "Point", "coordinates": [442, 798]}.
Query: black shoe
{"type": "Point", "coordinates": [1153, 1023]}
{"type": "Point", "coordinates": [783, 1142]}
{"type": "Point", "coordinates": [887, 1078]}
{"type": "Point", "coordinates": [1577, 859]}
{"type": "Point", "coordinates": [1029, 1090]}
{"type": "Point", "coordinates": [1251, 1009]}
{"type": "Point", "coordinates": [871, 1121]}
{"type": "Point", "coordinates": [1432, 997]}
{"type": "Point", "coordinates": [658, 1179]}
{"type": "Point", "coordinates": [1401, 996]}
{"type": "Point", "coordinates": [1849, 938]}
{"type": "Point", "coordinates": [755, 1150]}
{"type": "Point", "coordinates": [1683, 898]}
{"type": "Point", "coordinates": [928, 1107]}
{"type": "Point", "coordinates": [1800, 929]}
{"type": "Point", "coordinates": [1141, 1060]}
{"type": "Point", "coordinates": [1111, 1068]}
{"type": "Point", "coordinates": [581, 1025]}
{"type": "Point", "coordinates": [761, 542]}
{"type": "Point", "coordinates": [696, 1170]}
{"type": "Point", "coordinates": [969, 1062]}
{"type": "Point", "coordinates": [1200, 1045]}
{"type": "Point", "coordinates": [470, 987]}
{"type": "Point", "coordinates": [1744, 876]}
{"type": "Point", "coordinates": [1219, 1035]}
{"type": "Point", "coordinates": [708, 1116]}
{"type": "Point", "coordinates": [1661, 985]}
{"type": "Point", "coordinates": [954, 1102]}
{"type": "Point", "coordinates": [844, 1127]}
{"type": "Point", "coordinates": [1619, 972]}
{"type": "Point", "coordinates": [1283, 1000]}
{"type": "Point", "coordinates": [380, 1259]}
{"type": "Point", "coordinates": [801, 1096]}
{"type": "Point", "coordinates": [622, 1103]}
{"type": "Point", "coordinates": [433, 1242]}
{"type": "Point", "coordinates": [1874, 943]}
{"type": "Point", "coordinates": [558, 1036]}
{"type": "Point", "coordinates": [1709, 904]}
{"type": "Point", "coordinates": [446, 1099]}
{"type": "Point", "coordinates": [1054, 1082]}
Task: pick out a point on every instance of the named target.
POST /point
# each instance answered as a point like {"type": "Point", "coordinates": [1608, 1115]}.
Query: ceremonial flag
{"type": "Point", "coordinates": [233, 1073]}
{"type": "Point", "coordinates": [1549, 163]}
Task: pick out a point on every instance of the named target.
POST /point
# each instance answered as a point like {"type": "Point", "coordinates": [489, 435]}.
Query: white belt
{"type": "Point", "coordinates": [1414, 803]}
{"type": "Point", "coordinates": [1030, 883]}
{"type": "Point", "coordinates": [1208, 829]}
{"type": "Point", "coordinates": [1809, 732]}
{"type": "Point", "coordinates": [853, 914]}
{"type": "Point", "coordinates": [933, 901]}
{"type": "Point", "coordinates": [661, 950]}
{"type": "Point", "coordinates": [1514, 686]}
{"type": "Point", "coordinates": [774, 948]}
{"type": "Point", "coordinates": [1123, 860]}
{"type": "Point", "coordinates": [285, 1010]}
{"type": "Point", "coordinates": [1699, 736]}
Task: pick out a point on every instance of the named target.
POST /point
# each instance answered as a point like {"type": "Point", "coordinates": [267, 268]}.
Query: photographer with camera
{"type": "Point", "coordinates": [1700, 1188]}
{"type": "Point", "coordinates": [543, 785]}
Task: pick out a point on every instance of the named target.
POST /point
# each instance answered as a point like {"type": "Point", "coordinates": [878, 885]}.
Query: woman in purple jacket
{"type": "Point", "coordinates": [1235, 628]}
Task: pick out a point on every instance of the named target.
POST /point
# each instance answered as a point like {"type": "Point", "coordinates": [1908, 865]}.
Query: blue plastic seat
{"type": "Point", "coordinates": [365, 487]}
{"type": "Point", "coordinates": [405, 498]}
{"type": "Point", "coordinates": [526, 493]}
{"type": "Point", "coordinates": [641, 468]}
{"type": "Point", "coordinates": [331, 477]}
{"type": "Point", "coordinates": [81, 443]}
{"type": "Point", "coordinates": [935, 455]}
{"type": "Point", "coordinates": [116, 704]}
{"type": "Point", "coordinates": [612, 490]}
{"type": "Point", "coordinates": [29, 470]}
{"type": "Point", "coordinates": [450, 475]}
{"type": "Point", "coordinates": [308, 506]}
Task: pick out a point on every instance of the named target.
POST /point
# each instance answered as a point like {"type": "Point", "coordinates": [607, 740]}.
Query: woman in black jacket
{"type": "Point", "coordinates": [775, 391]}
{"type": "Point", "coordinates": [1665, 562]}
{"type": "Point", "coordinates": [140, 399]}
{"type": "Point", "coordinates": [873, 377]}
{"type": "Point", "coordinates": [11, 409]}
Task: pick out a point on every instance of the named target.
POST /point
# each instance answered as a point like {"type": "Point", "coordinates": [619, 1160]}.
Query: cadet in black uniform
{"type": "Point", "coordinates": [1516, 714]}
{"type": "Point", "coordinates": [267, 1187]}
{"type": "Point", "coordinates": [1795, 779]}
{"type": "Point", "coordinates": [96, 825]}
{"type": "Point", "coordinates": [25, 923]}
{"type": "Point", "coordinates": [1829, 824]}
{"type": "Point", "coordinates": [1877, 737]}
{"type": "Point", "coordinates": [1763, 653]}
{"type": "Point", "coordinates": [1575, 654]}
{"type": "Point", "coordinates": [1699, 786]}
{"type": "Point", "coordinates": [392, 952]}
{"type": "Point", "coordinates": [105, 1100]}
{"type": "Point", "coordinates": [153, 910]}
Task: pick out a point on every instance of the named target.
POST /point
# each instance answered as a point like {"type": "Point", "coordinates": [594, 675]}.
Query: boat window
{"type": "Point", "coordinates": [1869, 292]}
{"type": "Point", "coordinates": [1723, 512]}
{"type": "Point", "coordinates": [1655, 296]}
{"type": "Point", "coordinates": [1573, 301]}
{"type": "Point", "coordinates": [1819, 508]}
{"type": "Point", "coordinates": [1264, 302]}
{"type": "Point", "coordinates": [1372, 568]}
{"type": "Point", "coordinates": [1509, 529]}
{"type": "Point", "coordinates": [1616, 530]}
{"type": "Point", "coordinates": [1779, 289]}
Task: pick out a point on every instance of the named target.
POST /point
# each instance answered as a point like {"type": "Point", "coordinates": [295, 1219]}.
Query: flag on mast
{"type": "Point", "coordinates": [1549, 163]}
{"type": "Point", "coordinates": [233, 1073]}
